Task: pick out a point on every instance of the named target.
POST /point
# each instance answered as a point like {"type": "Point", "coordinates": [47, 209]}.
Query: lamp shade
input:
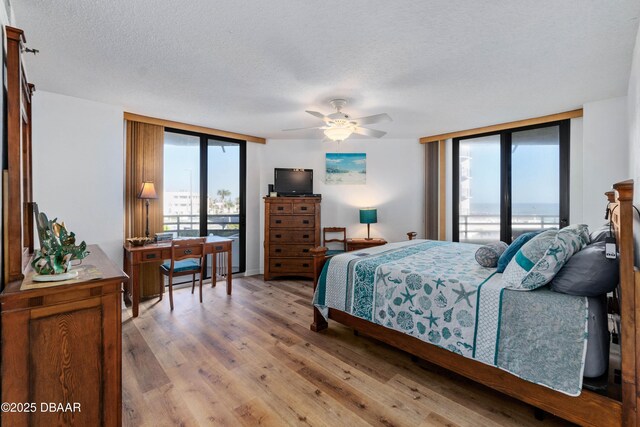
{"type": "Point", "coordinates": [368, 216]}
{"type": "Point", "coordinates": [147, 191]}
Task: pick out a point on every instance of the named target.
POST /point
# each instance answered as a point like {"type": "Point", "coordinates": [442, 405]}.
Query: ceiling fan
{"type": "Point", "coordinates": [339, 126]}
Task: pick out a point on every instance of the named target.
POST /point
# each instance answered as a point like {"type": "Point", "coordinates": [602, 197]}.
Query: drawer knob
{"type": "Point", "coordinates": [280, 208]}
{"type": "Point", "coordinates": [278, 221]}
{"type": "Point", "coordinates": [218, 248]}
{"type": "Point", "coordinates": [278, 236]}
{"type": "Point", "coordinates": [278, 250]}
{"type": "Point", "coordinates": [305, 221]}
{"type": "Point", "coordinates": [303, 208]}
{"type": "Point", "coordinates": [305, 265]}
{"type": "Point", "coordinates": [277, 264]}
{"type": "Point", "coordinates": [188, 251]}
{"type": "Point", "coordinates": [305, 250]}
{"type": "Point", "coordinates": [305, 236]}
{"type": "Point", "coordinates": [150, 256]}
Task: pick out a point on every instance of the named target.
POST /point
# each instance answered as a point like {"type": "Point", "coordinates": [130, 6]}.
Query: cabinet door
{"type": "Point", "coordinates": [66, 366]}
{"type": "Point", "coordinates": [64, 355]}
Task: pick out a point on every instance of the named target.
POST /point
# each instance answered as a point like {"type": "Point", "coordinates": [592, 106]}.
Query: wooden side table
{"type": "Point", "coordinates": [362, 243]}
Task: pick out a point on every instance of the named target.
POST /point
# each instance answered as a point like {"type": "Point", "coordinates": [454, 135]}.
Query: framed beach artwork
{"type": "Point", "coordinates": [346, 168]}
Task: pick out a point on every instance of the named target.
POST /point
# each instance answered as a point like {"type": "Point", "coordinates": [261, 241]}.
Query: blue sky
{"type": "Point", "coordinates": [535, 174]}
{"type": "Point", "coordinates": [181, 162]}
{"type": "Point", "coordinates": [348, 161]}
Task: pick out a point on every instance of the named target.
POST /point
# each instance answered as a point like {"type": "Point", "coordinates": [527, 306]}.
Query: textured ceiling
{"type": "Point", "coordinates": [255, 66]}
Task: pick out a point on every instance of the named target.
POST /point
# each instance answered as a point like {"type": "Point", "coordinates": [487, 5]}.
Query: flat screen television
{"type": "Point", "coordinates": [293, 182]}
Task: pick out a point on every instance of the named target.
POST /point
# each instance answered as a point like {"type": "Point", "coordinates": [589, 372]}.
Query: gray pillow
{"type": "Point", "coordinates": [601, 233]}
{"type": "Point", "coordinates": [588, 273]}
{"type": "Point", "coordinates": [488, 255]}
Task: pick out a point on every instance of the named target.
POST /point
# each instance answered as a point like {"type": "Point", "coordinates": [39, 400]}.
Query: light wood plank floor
{"type": "Point", "coordinates": [250, 359]}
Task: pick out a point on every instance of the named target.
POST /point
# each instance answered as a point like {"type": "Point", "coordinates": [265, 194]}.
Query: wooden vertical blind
{"type": "Point", "coordinates": [431, 186]}
{"type": "Point", "coordinates": [442, 153]}
{"type": "Point", "coordinates": [144, 162]}
{"type": "Point", "coordinates": [435, 190]}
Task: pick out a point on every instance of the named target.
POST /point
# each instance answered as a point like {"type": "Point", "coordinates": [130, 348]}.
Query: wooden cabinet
{"type": "Point", "coordinates": [17, 211]}
{"type": "Point", "coordinates": [291, 230]}
{"type": "Point", "coordinates": [361, 243]}
{"type": "Point", "coordinates": [62, 346]}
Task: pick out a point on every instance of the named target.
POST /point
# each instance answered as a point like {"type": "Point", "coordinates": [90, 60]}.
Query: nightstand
{"type": "Point", "coordinates": [362, 243]}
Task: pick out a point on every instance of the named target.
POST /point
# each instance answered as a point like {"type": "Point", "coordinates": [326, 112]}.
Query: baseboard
{"type": "Point", "coordinates": [249, 273]}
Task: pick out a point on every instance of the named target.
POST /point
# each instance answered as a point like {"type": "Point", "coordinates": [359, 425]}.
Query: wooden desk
{"type": "Point", "coordinates": [362, 243]}
{"type": "Point", "coordinates": [136, 255]}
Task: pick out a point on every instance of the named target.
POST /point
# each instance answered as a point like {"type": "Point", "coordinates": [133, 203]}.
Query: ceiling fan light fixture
{"type": "Point", "coordinates": [338, 133]}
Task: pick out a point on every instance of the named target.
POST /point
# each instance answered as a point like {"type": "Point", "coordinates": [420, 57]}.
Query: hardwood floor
{"type": "Point", "coordinates": [250, 359]}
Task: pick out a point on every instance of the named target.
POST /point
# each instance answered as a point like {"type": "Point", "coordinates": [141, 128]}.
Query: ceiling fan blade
{"type": "Point", "coordinates": [315, 113]}
{"type": "Point", "coordinates": [314, 127]}
{"type": "Point", "coordinates": [369, 132]}
{"type": "Point", "coordinates": [377, 118]}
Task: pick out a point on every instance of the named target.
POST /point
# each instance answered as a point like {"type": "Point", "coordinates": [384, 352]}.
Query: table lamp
{"type": "Point", "coordinates": [368, 216]}
{"type": "Point", "coordinates": [147, 192]}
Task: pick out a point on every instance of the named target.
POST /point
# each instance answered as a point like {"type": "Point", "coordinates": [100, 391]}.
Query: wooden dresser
{"type": "Point", "coordinates": [291, 229]}
{"type": "Point", "coordinates": [62, 345]}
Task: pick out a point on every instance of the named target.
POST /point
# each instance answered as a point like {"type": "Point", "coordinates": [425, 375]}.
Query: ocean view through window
{"type": "Point", "coordinates": [510, 182]}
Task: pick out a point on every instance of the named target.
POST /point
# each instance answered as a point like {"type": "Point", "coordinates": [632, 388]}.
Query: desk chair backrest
{"type": "Point", "coordinates": [187, 249]}
{"type": "Point", "coordinates": [181, 250]}
{"type": "Point", "coordinates": [338, 239]}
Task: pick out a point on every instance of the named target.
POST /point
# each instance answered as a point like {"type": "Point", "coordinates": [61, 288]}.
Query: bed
{"type": "Point", "coordinates": [532, 345]}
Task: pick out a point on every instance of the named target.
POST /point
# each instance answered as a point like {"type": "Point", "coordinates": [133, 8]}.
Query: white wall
{"type": "Point", "coordinates": [254, 207]}
{"type": "Point", "coordinates": [78, 173]}
{"type": "Point", "coordinates": [605, 151]}
{"type": "Point", "coordinates": [395, 183]}
{"type": "Point", "coordinates": [633, 107]}
{"type": "Point", "coordinates": [78, 167]}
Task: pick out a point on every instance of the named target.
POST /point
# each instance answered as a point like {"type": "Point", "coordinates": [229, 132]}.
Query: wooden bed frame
{"type": "Point", "coordinates": [588, 409]}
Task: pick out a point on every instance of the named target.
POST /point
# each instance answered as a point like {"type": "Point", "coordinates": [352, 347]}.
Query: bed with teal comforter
{"type": "Point", "coordinates": [437, 292]}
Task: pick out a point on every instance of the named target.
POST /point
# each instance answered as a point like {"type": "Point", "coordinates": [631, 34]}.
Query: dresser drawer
{"type": "Point", "coordinates": [293, 236]}
{"type": "Point", "coordinates": [304, 208]}
{"type": "Point", "coordinates": [280, 208]}
{"type": "Point", "coordinates": [290, 250]}
{"type": "Point", "coordinates": [291, 221]}
{"type": "Point", "coordinates": [284, 265]}
{"type": "Point", "coordinates": [148, 256]}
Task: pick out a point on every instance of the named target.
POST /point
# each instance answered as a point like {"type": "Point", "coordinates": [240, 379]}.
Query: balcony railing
{"type": "Point", "coordinates": [224, 225]}
{"type": "Point", "coordinates": [486, 228]}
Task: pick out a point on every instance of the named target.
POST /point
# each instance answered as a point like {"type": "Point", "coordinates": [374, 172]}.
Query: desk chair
{"type": "Point", "coordinates": [184, 254]}
{"type": "Point", "coordinates": [342, 241]}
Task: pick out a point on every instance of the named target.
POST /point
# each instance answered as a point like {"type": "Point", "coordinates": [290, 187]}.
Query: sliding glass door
{"type": "Point", "coordinates": [225, 179]}
{"type": "Point", "coordinates": [204, 189]}
{"type": "Point", "coordinates": [479, 189]}
{"type": "Point", "coordinates": [535, 180]}
{"type": "Point", "coordinates": [181, 203]}
{"type": "Point", "coordinates": [510, 182]}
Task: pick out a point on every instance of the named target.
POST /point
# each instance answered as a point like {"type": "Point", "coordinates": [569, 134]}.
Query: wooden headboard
{"type": "Point", "coordinates": [620, 212]}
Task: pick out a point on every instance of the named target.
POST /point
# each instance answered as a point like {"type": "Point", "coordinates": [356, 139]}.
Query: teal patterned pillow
{"type": "Point", "coordinates": [488, 255]}
{"type": "Point", "coordinates": [538, 261]}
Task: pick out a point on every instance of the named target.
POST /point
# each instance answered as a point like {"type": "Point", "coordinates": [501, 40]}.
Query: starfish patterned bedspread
{"type": "Point", "coordinates": [437, 292]}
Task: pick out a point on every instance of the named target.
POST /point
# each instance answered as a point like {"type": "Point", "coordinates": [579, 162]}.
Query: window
{"type": "Point", "coordinates": [510, 182]}
{"type": "Point", "coordinates": [204, 188]}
